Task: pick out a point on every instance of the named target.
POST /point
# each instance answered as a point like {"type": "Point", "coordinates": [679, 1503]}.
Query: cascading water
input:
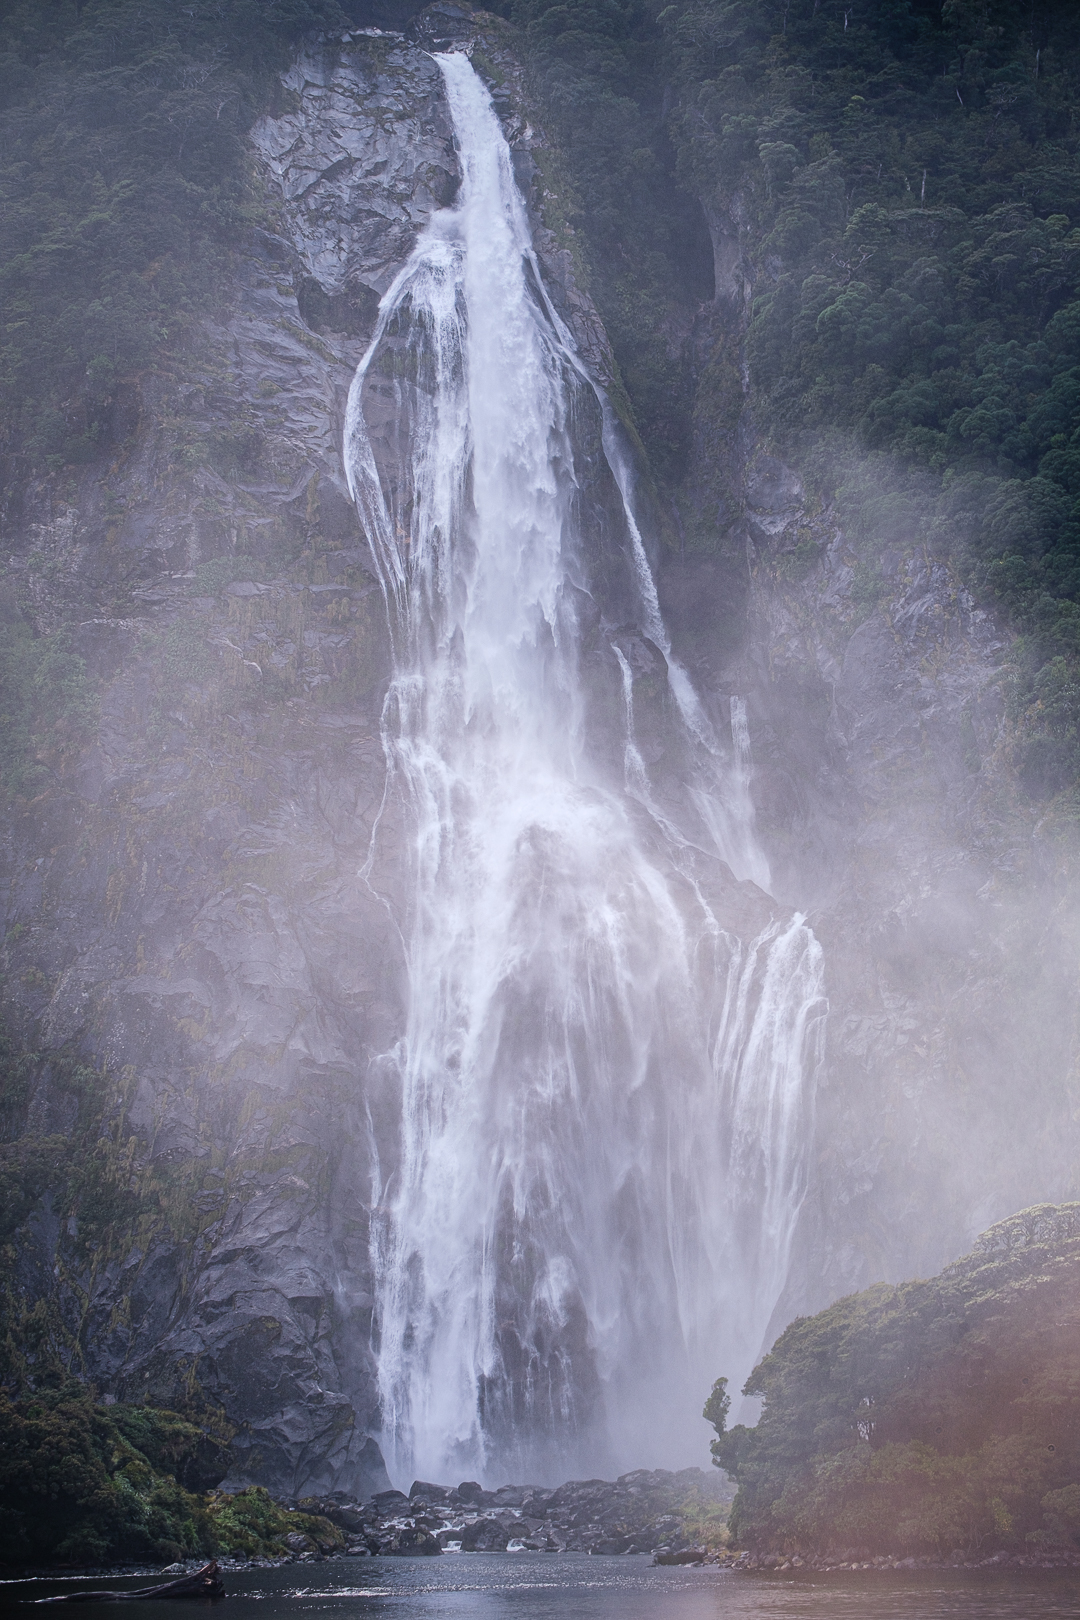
{"type": "Point", "coordinates": [606, 1077]}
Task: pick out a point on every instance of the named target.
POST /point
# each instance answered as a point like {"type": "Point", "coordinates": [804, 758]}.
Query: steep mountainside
{"type": "Point", "coordinates": [190, 901]}
{"type": "Point", "coordinates": [194, 902]}
{"type": "Point", "coordinates": [198, 915]}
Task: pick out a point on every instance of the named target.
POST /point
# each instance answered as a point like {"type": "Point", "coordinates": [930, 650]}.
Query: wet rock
{"type": "Point", "coordinates": [410, 1541]}
{"type": "Point", "coordinates": [390, 1501]}
{"type": "Point", "coordinates": [633, 1515]}
{"type": "Point", "coordinates": [511, 1496]}
{"type": "Point", "coordinates": [485, 1535]}
{"type": "Point", "coordinates": [347, 1516]}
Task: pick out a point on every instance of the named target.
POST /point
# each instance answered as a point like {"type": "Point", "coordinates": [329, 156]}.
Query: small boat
{"type": "Point", "coordinates": [204, 1583]}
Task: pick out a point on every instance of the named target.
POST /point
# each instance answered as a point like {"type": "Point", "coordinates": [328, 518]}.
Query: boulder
{"type": "Point", "coordinates": [411, 1541]}
{"type": "Point", "coordinates": [485, 1535]}
{"type": "Point", "coordinates": [390, 1501]}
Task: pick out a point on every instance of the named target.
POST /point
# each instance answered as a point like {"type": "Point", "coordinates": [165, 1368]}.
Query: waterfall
{"type": "Point", "coordinates": [607, 1069]}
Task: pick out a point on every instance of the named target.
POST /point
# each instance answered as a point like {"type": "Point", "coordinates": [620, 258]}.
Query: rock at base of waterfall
{"type": "Point", "coordinates": [641, 1512]}
{"type": "Point", "coordinates": [411, 1541]}
{"type": "Point", "coordinates": [485, 1535]}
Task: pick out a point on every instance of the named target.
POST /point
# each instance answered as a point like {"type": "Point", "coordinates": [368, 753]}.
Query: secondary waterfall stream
{"type": "Point", "coordinates": [606, 1078]}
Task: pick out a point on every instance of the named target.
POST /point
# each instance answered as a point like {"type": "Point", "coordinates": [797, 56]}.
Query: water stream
{"type": "Point", "coordinates": [607, 1073]}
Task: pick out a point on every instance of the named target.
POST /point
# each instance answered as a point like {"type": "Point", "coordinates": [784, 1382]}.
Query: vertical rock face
{"type": "Point", "coordinates": [949, 914]}
{"type": "Point", "coordinates": [198, 906]}
{"type": "Point", "coordinates": [200, 901]}
{"type": "Point", "coordinates": [946, 903]}
{"type": "Point", "coordinates": [361, 162]}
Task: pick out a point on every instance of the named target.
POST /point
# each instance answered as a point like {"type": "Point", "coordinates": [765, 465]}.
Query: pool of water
{"type": "Point", "coordinates": [573, 1586]}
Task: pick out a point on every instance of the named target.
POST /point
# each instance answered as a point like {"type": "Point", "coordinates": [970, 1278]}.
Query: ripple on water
{"type": "Point", "coordinates": [577, 1587]}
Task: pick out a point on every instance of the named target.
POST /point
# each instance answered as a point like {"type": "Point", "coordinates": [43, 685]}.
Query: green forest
{"type": "Point", "coordinates": [934, 1417]}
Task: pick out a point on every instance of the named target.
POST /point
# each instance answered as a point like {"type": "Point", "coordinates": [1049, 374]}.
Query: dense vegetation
{"type": "Point", "coordinates": [79, 1193]}
{"type": "Point", "coordinates": [82, 1483]}
{"type": "Point", "coordinates": [909, 180]}
{"type": "Point", "coordinates": [86, 1164]}
{"type": "Point", "coordinates": [924, 1418]}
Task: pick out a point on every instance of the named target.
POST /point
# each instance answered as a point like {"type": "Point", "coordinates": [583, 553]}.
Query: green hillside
{"type": "Point", "coordinates": [924, 1418]}
{"type": "Point", "coordinates": [82, 1483]}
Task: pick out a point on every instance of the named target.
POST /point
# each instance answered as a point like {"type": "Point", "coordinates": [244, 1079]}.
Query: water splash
{"type": "Point", "coordinates": [606, 1074]}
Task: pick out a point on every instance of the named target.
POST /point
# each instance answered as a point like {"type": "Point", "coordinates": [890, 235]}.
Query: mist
{"type": "Point", "coordinates": [539, 744]}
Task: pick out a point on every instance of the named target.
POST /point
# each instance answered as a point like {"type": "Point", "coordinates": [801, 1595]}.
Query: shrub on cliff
{"type": "Point", "coordinates": [251, 1524]}
{"type": "Point", "coordinates": [74, 1489]}
{"type": "Point", "coordinates": [82, 1483]}
{"type": "Point", "coordinates": [924, 1417]}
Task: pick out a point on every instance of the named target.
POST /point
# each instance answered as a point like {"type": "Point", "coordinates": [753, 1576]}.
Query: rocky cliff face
{"type": "Point", "coordinates": [190, 905]}
{"type": "Point", "coordinates": [199, 902]}
{"type": "Point", "coordinates": [946, 902]}
{"type": "Point", "coordinates": [947, 908]}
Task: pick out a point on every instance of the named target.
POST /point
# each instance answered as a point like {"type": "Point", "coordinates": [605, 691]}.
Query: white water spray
{"type": "Point", "coordinates": [606, 1075]}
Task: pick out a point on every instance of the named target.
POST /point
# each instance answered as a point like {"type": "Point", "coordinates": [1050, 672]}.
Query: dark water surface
{"type": "Point", "coordinates": [573, 1586]}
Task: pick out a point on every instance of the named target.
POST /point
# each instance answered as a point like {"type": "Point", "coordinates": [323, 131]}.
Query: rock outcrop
{"type": "Point", "coordinates": [647, 1511]}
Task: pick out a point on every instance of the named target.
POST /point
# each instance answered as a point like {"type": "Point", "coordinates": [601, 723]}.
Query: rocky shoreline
{"type": "Point", "coordinates": [675, 1518]}
{"type": "Point", "coordinates": [655, 1512]}
{"type": "Point", "coordinates": [830, 1563]}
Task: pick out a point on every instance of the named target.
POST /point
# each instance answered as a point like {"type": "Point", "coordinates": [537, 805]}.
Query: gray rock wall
{"type": "Point", "coordinates": [197, 900]}
{"type": "Point", "coordinates": [210, 916]}
{"type": "Point", "coordinates": [206, 918]}
{"type": "Point", "coordinates": [947, 903]}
